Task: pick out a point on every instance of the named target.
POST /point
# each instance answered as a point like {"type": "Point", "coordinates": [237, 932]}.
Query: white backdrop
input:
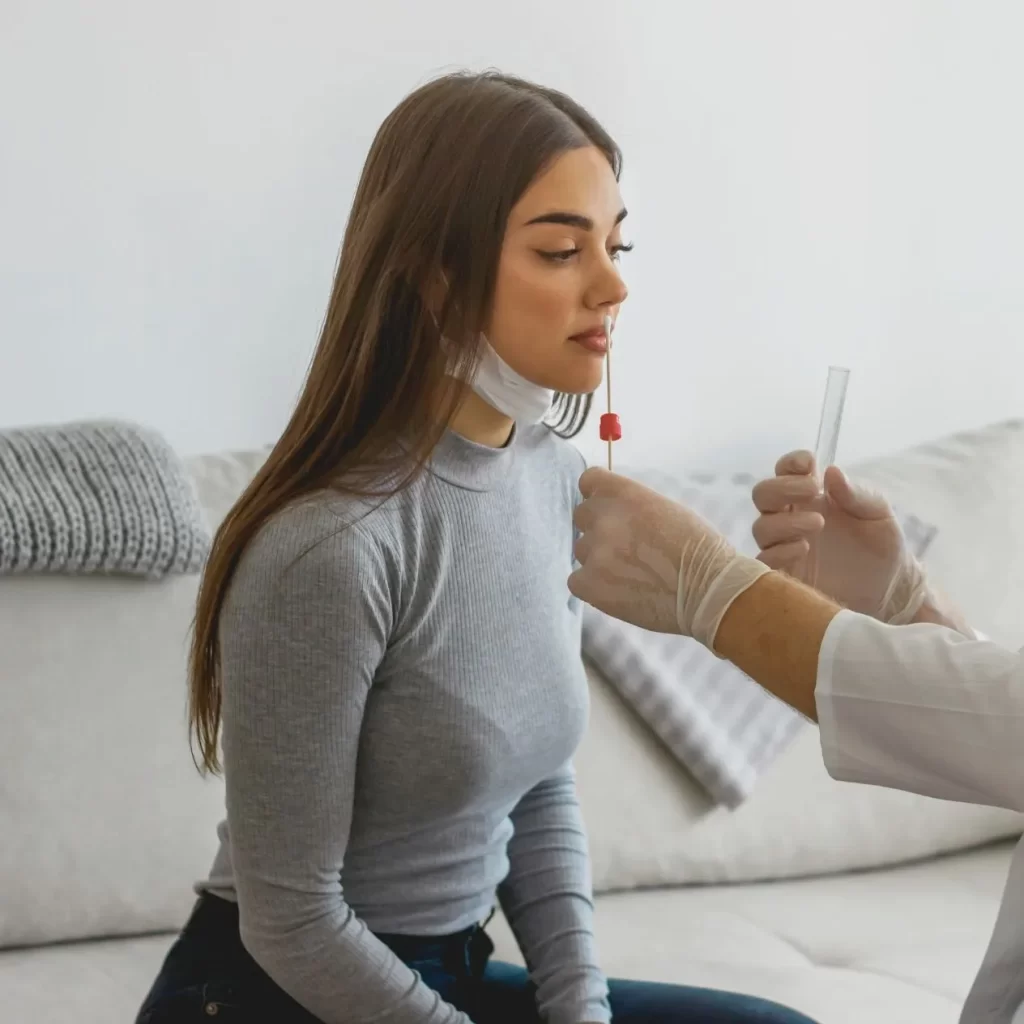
{"type": "Point", "coordinates": [810, 181]}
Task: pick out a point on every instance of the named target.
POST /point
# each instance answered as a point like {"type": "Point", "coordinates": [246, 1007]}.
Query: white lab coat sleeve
{"type": "Point", "coordinates": [923, 709]}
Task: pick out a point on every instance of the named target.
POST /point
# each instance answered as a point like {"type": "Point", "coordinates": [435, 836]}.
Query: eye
{"type": "Point", "coordinates": [564, 255]}
{"type": "Point", "coordinates": [559, 255]}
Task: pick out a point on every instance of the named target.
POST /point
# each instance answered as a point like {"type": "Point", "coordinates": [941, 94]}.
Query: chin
{"type": "Point", "coordinates": [581, 373]}
{"type": "Point", "coordinates": [582, 381]}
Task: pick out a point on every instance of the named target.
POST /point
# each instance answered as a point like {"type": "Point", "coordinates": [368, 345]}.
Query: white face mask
{"type": "Point", "coordinates": [507, 391]}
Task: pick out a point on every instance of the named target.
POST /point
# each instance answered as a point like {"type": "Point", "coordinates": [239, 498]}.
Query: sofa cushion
{"type": "Point", "coordinates": [106, 822]}
{"type": "Point", "coordinates": [100, 982]}
{"type": "Point", "coordinates": [220, 479]}
{"type": "Point", "coordinates": [889, 947]}
{"type": "Point", "coordinates": [898, 946]}
{"type": "Point", "coordinates": [972, 487]}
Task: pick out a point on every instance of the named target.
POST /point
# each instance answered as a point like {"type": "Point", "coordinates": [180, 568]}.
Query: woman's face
{"type": "Point", "coordinates": [558, 275]}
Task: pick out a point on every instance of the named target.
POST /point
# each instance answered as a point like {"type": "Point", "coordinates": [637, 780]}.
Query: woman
{"type": "Point", "coordinates": [905, 693]}
{"type": "Point", "coordinates": [383, 630]}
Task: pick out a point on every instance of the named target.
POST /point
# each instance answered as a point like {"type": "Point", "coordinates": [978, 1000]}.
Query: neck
{"type": "Point", "coordinates": [480, 422]}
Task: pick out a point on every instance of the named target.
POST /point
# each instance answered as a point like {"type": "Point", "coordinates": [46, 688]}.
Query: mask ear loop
{"type": "Point", "coordinates": [611, 426]}
{"type": "Point", "coordinates": [445, 343]}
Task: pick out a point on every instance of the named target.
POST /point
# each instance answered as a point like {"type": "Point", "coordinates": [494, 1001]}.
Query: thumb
{"type": "Point", "coordinates": [854, 499]}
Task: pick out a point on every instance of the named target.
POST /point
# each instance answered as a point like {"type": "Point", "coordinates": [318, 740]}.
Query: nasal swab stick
{"type": "Point", "coordinates": [827, 443]}
{"type": "Point", "coordinates": [611, 427]}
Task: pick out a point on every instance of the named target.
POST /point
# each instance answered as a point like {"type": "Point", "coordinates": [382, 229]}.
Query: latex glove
{"type": "Point", "coordinates": [652, 562]}
{"type": "Point", "coordinates": [862, 560]}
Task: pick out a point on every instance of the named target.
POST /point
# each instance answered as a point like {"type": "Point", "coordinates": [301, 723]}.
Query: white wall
{"type": "Point", "coordinates": [810, 181]}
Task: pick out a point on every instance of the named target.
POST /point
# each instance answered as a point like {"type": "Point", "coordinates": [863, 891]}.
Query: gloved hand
{"type": "Point", "coordinates": [846, 533]}
{"type": "Point", "coordinates": [650, 561]}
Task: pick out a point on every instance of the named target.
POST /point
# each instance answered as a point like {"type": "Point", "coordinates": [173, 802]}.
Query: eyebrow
{"type": "Point", "coordinates": [572, 220]}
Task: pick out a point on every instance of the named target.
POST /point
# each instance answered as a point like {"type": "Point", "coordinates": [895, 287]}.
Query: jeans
{"type": "Point", "coordinates": [208, 973]}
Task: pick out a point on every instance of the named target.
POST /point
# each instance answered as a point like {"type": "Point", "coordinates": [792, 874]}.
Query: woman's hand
{"type": "Point", "coordinates": [849, 533]}
{"type": "Point", "coordinates": [653, 562]}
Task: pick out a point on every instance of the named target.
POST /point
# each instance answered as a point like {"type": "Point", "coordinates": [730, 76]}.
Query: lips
{"type": "Point", "coordinates": [593, 340]}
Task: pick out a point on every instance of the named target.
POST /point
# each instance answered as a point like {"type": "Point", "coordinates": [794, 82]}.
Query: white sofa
{"type": "Point", "coordinates": [850, 903]}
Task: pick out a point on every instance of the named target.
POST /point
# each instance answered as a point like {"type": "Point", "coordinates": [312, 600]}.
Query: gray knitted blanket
{"type": "Point", "coordinates": [97, 497]}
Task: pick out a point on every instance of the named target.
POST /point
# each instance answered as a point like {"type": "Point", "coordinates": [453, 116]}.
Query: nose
{"type": "Point", "coordinates": [608, 290]}
{"type": "Point", "coordinates": [619, 290]}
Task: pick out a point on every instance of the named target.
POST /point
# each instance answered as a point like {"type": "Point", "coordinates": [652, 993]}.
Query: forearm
{"type": "Point", "coordinates": [773, 631]}
{"type": "Point", "coordinates": [315, 948]}
{"type": "Point", "coordinates": [548, 902]}
{"type": "Point", "coordinates": [922, 708]}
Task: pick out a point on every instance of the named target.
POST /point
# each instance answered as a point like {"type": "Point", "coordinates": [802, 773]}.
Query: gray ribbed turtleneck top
{"type": "Point", "coordinates": [403, 693]}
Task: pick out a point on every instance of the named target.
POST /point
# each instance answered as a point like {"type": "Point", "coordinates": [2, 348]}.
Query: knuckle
{"type": "Point", "coordinates": [759, 494]}
{"type": "Point", "coordinates": [795, 463]}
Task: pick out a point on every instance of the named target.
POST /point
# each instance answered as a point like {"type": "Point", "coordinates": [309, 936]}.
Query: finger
{"type": "Point", "coordinates": [798, 463]}
{"type": "Point", "coordinates": [785, 557]}
{"type": "Point", "coordinates": [778, 493]}
{"type": "Point", "coordinates": [783, 527]}
{"type": "Point", "coordinates": [592, 479]}
{"type": "Point", "coordinates": [578, 584]}
{"type": "Point", "coordinates": [594, 512]}
{"type": "Point", "coordinates": [583, 515]}
{"type": "Point", "coordinates": [858, 501]}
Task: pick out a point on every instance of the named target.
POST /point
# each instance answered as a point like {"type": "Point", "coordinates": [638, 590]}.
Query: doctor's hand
{"type": "Point", "coordinates": [653, 562]}
{"type": "Point", "coordinates": [862, 557]}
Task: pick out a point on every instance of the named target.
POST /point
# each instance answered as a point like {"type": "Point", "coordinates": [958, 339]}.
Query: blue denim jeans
{"type": "Point", "coordinates": [208, 973]}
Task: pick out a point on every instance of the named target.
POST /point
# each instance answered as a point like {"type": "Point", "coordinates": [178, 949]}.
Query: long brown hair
{"type": "Point", "coordinates": [443, 173]}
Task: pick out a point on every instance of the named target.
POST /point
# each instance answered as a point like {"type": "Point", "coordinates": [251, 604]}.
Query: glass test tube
{"type": "Point", "coordinates": [827, 443]}
{"type": "Point", "coordinates": [831, 418]}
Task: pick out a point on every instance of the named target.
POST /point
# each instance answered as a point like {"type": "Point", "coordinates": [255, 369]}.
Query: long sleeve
{"type": "Point", "coordinates": [548, 901]}
{"type": "Point", "coordinates": [303, 632]}
{"type": "Point", "coordinates": [923, 709]}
